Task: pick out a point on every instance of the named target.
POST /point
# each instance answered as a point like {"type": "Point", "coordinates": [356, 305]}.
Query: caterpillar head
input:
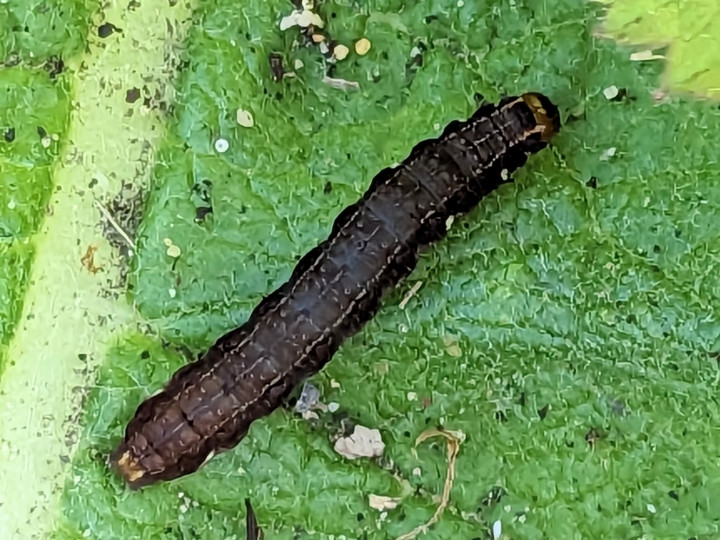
{"type": "Point", "coordinates": [546, 114]}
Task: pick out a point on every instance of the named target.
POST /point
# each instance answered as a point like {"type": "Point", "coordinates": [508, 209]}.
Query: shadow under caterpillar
{"type": "Point", "coordinates": [208, 405]}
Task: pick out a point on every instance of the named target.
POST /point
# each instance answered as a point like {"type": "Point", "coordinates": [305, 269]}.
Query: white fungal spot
{"type": "Point", "coordinates": [221, 146]}
{"type": "Point", "coordinates": [607, 154]}
{"type": "Point", "coordinates": [362, 46]}
{"type": "Point", "coordinates": [245, 118]}
{"type": "Point", "coordinates": [333, 407]}
{"type": "Point", "coordinates": [641, 56]}
{"type": "Point", "coordinates": [302, 18]}
{"type": "Point", "coordinates": [382, 503]}
{"type": "Point", "coordinates": [611, 92]}
{"type": "Point", "coordinates": [340, 52]}
{"type": "Point", "coordinates": [363, 442]}
{"type": "Point", "coordinates": [173, 251]}
{"type": "Point", "coordinates": [651, 508]}
{"type": "Point", "coordinates": [497, 530]}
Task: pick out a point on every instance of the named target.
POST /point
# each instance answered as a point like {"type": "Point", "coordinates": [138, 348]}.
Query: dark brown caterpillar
{"type": "Point", "coordinates": [208, 405]}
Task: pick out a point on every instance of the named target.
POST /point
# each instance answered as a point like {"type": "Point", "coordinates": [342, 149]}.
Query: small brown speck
{"type": "Point", "coordinates": [88, 260]}
{"type": "Point", "coordinates": [132, 95]}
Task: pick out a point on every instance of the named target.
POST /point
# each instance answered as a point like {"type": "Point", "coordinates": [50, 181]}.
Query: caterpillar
{"type": "Point", "coordinates": [208, 405]}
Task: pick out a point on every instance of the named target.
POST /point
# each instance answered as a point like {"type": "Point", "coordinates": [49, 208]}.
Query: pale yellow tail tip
{"type": "Point", "coordinates": [129, 468]}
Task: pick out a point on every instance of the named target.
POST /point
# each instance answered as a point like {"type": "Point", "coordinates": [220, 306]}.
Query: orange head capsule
{"type": "Point", "coordinates": [546, 114]}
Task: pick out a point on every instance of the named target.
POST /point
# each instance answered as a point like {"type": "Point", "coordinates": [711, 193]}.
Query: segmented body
{"type": "Point", "coordinates": [208, 406]}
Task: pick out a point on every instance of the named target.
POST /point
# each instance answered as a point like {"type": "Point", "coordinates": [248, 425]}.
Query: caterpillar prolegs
{"type": "Point", "coordinates": [208, 405]}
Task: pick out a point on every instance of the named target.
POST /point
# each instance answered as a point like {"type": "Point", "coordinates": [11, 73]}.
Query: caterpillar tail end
{"type": "Point", "coordinates": [546, 114]}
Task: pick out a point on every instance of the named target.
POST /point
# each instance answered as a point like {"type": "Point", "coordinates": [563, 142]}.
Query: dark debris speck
{"type": "Point", "coordinates": [132, 95]}
{"type": "Point", "coordinates": [542, 413]}
{"type": "Point", "coordinates": [9, 135]}
{"type": "Point", "coordinates": [493, 496]}
{"type": "Point", "coordinates": [592, 436]}
{"type": "Point", "coordinates": [54, 66]}
{"type": "Point", "coordinates": [276, 66]}
{"type": "Point", "coordinates": [622, 94]}
{"type": "Point", "coordinates": [106, 29]}
{"type": "Point", "coordinates": [202, 212]}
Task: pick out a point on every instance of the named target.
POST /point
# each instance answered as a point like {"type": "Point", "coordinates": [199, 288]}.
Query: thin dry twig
{"type": "Point", "coordinates": [415, 288]}
{"type": "Point", "coordinates": [453, 447]}
{"type": "Point", "coordinates": [115, 224]}
{"type": "Point", "coordinates": [341, 84]}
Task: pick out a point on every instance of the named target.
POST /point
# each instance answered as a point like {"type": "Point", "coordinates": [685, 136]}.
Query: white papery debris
{"type": "Point", "coordinates": [363, 442]}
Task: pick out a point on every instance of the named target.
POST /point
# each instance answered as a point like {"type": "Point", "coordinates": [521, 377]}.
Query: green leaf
{"type": "Point", "coordinates": [689, 31]}
{"type": "Point", "coordinates": [33, 115]}
{"type": "Point", "coordinates": [36, 31]}
{"type": "Point", "coordinates": [568, 326]}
